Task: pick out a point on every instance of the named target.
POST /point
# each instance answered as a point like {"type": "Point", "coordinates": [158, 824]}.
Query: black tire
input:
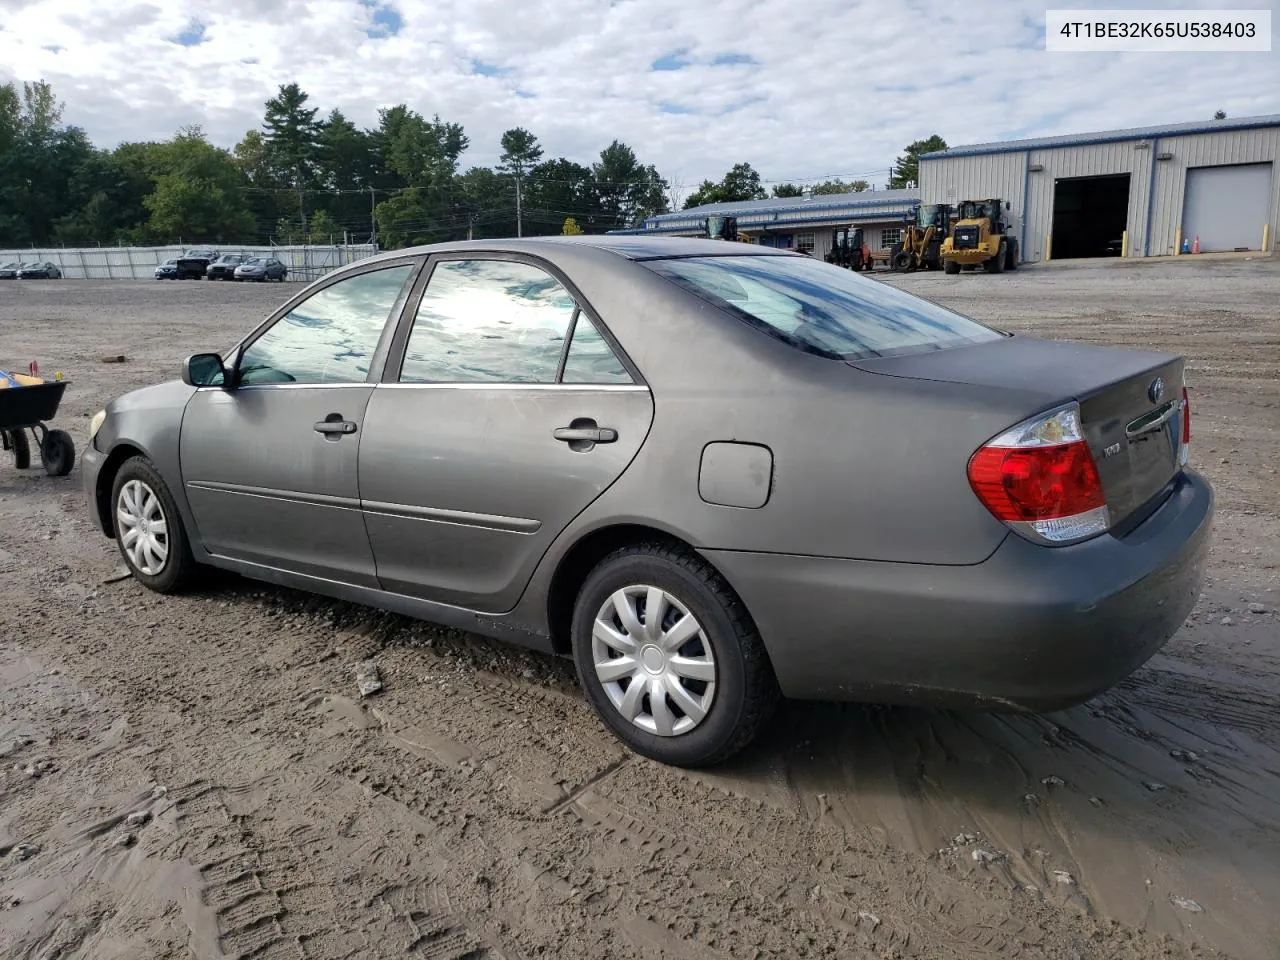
{"type": "Point", "coordinates": [20, 446]}
{"type": "Point", "coordinates": [996, 263]}
{"type": "Point", "coordinates": [58, 453]}
{"type": "Point", "coordinates": [1012, 263]}
{"type": "Point", "coordinates": [950, 267]}
{"type": "Point", "coordinates": [746, 692]}
{"type": "Point", "coordinates": [179, 567]}
{"type": "Point", "coordinates": [903, 261]}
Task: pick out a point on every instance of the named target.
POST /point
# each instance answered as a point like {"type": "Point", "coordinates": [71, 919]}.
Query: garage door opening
{"type": "Point", "coordinates": [1089, 216]}
{"type": "Point", "coordinates": [1225, 207]}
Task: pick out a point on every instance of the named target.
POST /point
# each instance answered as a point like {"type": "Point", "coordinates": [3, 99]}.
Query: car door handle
{"type": "Point", "coordinates": [339, 427]}
{"type": "Point", "coordinates": [585, 434]}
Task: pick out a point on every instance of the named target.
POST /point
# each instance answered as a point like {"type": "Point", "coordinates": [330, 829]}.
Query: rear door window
{"type": "Point", "coordinates": [822, 308]}
{"type": "Point", "coordinates": [488, 321]}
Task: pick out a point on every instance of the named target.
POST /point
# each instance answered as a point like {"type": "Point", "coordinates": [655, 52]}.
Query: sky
{"type": "Point", "coordinates": [801, 90]}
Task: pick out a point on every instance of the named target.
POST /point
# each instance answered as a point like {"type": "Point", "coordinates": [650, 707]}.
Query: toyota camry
{"type": "Point", "coordinates": [711, 473]}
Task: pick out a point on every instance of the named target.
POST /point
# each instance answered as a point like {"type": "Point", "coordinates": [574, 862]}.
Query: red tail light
{"type": "Point", "coordinates": [1186, 417]}
{"type": "Point", "coordinates": [1040, 478]}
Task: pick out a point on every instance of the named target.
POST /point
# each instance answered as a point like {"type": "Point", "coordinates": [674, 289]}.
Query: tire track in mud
{"type": "Point", "coordinates": [514, 802]}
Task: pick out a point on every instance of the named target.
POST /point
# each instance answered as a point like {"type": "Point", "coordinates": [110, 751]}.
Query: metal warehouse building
{"type": "Point", "coordinates": [1143, 190]}
{"type": "Point", "coordinates": [799, 223]}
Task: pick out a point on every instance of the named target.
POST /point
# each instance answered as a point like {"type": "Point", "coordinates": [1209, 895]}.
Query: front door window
{"type": "Point", "coordinates": [331, 336]}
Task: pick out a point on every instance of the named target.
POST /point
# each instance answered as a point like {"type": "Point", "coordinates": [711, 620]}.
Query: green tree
{"type": "Point", "coordinates": [828, 187]}
{"type": "Point", "coordinates": [520, 151]}
{"type": "Point", "coordinates": [627, 191]}
{"type": "Point", "coordinates": [487, 203]}
{"type": "Point", "coordinates": [323, 228]}
{"type": "Point", "coordinates": [906, 169]}
{"type": "Point", "coordinates": [571, 228]}
{"type": "Point", "coordinates": [555, 189]}
{"type": "Point", "coordinates": [1219, 115]}
{"type": "Point", "coordinates": [787, 190]}
{"type": "Point", "coordinates": [198, 198]}
{"type": "Point", "coordinates": [417, 151]}
{"type": "Point", "coordinates": [741, 183]}
{"type": "Point", "coordinates": [291, 131]}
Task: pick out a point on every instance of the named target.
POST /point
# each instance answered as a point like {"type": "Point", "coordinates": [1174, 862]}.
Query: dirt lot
{"type": "Point", "coordinates": [476, 808]}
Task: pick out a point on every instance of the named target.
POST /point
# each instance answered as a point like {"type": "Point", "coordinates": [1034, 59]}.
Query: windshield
{"type": "Point", "coordinates": [927, 216]}
{"type": "Point", "coordinates": [822, 308]}
{"type": "Point", "coordinates": [253, 261]}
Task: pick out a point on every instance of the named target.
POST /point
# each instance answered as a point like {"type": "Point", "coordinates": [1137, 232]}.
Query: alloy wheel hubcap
{"type": "Point", "coordinates": [144, 529]}
{"type": "Point", "coordinates": [653, 660]}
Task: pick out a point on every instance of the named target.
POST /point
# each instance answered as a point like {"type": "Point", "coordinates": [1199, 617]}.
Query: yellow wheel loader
{"type": "Point", "coordinates": [923, 232]}
{"type": "Point", "coordinates": [980, 234]}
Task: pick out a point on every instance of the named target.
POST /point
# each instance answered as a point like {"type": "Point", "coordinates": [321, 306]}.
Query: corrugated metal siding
{"type": "Point", "coordinates": [947, 179]}
{"type": "Point", "coordinates": [952, 179]}
{"type": "Point", "coordinates": [1206, 150]}
{"type": "Point", "coordinates": [1101, 159]}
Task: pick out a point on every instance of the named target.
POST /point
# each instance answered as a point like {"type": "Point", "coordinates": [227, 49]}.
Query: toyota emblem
{"type": "Point", "coordinates": [1156, 390]}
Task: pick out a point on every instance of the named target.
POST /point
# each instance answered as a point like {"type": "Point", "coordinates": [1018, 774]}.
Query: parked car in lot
{"type": "Point", "coordinates": [193, 264]}
{"type": "Point", "coordinates": [39, 271]}
{"type": "Point", "coordinates": [711, 473]}
{"type": "Point", "coordinates": [167, 270]}
{"type": "Point", "coordinates": [224, 268]}
{"type": "Point", "coordinates": [9, 271]}
{"type": "Point", "coordinates": [261, 268]}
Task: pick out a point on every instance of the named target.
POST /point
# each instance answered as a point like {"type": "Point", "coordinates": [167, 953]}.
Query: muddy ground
{"type": "Point", "coordinates": [477, 808]}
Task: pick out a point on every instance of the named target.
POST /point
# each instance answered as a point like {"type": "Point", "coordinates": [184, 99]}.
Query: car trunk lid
{"type": "Point", "coordinates": [1130, 401]}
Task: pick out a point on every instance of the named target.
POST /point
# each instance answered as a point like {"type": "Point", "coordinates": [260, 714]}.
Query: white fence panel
{"type": "Point", "coordinates": [305, 262]}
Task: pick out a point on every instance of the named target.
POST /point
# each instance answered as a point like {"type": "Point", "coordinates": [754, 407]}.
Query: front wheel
{"type": "Point", "coordinates": [58, 453]}
{"type": "Point", "coordinates": [670, 658]}
{"type": "Point", "coordinates": [149, 529]}
{"type": "Point", "coordinates": [996, 263]}
{"type": "Point", "coordinates": [950, 266]}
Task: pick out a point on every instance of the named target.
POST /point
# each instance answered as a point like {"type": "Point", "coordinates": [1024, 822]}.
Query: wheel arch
{"type": "Point", "coordinates": [120, 453]}
{"type": "Point", "coordinates": [576, 564]}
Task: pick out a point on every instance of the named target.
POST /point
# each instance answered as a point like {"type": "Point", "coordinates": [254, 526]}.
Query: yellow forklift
{"type": "Point", "coordinates": [981, 233]}
{"type": "Point", "coordinates": [923, 232]}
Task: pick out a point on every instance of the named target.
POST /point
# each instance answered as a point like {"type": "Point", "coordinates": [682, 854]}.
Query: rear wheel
{"type": "Point", "coordinates": [58, 453]}
{"type": "Point", "coordinates": [17, 442]}
{"type": "Point", "coordinates": [670, 658]}
{"type": "Point", "coordinates": [950, 266]}
{"type": "Point", "coordinates": [1012, 263]}
{"type": "Point", "coordinates": [148, 528]}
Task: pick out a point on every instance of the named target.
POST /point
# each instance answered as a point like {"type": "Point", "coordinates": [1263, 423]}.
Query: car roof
{"type": "Point", "coordinates": [627, 247]}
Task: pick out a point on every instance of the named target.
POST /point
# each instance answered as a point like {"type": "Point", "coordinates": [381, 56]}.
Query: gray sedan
{"type": "Point", "coordinates": [712, 473]}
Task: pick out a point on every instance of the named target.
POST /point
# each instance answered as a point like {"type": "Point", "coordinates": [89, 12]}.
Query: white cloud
{"type": "Point", "coordinates": [832, 87]}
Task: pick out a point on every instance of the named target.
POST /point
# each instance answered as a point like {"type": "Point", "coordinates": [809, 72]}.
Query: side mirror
{"type": "Point", "coordinates": [204, 370]}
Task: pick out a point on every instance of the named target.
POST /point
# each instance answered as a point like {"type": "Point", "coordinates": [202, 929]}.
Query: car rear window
{"type": "Point", "coordinates": [822, 308]}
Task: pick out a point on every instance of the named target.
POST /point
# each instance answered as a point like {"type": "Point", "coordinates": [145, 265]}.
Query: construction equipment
{"type": "Point", "coordinates": [721, 228]}
{"type": "Point", "coordinates": [850, 250]}
{"type": "Point", "coordinates": [981, 233]}
{"type": "Point", "coordinates": [922, 236]}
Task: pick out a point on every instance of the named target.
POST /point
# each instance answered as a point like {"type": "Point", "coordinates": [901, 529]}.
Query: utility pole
{"type": "Point", "coordinates": [519, 224]}
{"type": "Point", "coordinates": [373, 220]}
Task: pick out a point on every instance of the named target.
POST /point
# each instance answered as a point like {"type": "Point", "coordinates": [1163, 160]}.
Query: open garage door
{"type": "Point", "coordinates": [1226, 206]}
{"type": "Point", "coordinates": [1089, 216]}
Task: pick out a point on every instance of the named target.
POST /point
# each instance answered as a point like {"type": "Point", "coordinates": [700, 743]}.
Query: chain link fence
{"type": "Point", "coordinates": [305, 262]}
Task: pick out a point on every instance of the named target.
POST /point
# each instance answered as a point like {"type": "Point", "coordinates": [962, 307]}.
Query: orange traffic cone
{"type": "Point", "coordinates": [1195, 244]}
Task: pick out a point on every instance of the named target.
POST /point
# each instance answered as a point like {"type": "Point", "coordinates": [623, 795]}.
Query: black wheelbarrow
{"type": "Point", "coordinates": [24, 410]}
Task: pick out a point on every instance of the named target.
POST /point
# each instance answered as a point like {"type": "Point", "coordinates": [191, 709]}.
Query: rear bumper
{"type": "Point", "coordinates": [1031, 627]}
